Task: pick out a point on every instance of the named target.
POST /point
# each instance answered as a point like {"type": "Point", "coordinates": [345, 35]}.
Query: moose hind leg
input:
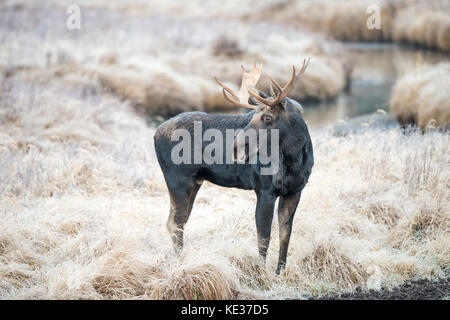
{"type": "Point", "coordinates": [181, 201]}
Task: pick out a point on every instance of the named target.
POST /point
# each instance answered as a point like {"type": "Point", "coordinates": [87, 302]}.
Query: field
{"type": "Point", "coordinates": [83, 202]}
{"type": "Point", "coordinates": [418, 22]}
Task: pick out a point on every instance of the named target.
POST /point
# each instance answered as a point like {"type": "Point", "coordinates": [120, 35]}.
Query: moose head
{"type": "Point", "coordinates": [274, 111]}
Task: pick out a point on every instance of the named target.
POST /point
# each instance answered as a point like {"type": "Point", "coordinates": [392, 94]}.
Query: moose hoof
{"type": "Point", "coordinates": [280, 268]}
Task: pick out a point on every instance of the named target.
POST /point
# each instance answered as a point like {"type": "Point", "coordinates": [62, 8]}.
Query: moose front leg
{"type": "Point", "coordinates": [286, 211]}
{"type": "Point", "coordinates": [264, 216]}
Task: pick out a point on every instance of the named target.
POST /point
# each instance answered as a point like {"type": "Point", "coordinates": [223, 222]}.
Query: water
{"type": "Point", "coordinates": [376, 68]}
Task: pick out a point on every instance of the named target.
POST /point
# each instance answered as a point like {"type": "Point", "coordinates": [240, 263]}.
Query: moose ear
{"type": "Point", "coordinates": [253, 101]}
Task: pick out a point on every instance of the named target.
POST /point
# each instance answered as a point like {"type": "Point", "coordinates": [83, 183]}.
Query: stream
{"type": "Point", "coordinates": [376, 68]}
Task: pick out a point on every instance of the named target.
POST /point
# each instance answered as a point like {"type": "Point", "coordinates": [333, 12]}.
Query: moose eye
{"type": "Point", "coordinates": [266, 118]}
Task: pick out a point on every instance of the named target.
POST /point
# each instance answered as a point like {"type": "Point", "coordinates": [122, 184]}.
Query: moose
{"type": "Point", "coordinates": [295, 158]}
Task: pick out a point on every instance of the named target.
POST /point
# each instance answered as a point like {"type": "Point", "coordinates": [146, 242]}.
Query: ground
{"type": "Point", "coordinates": [412, 290]}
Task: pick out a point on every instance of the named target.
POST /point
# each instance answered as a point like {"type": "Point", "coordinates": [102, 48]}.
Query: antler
{"type": "Point", "coordinates": [282, 92]}
{"type": "Point", "coordinates": [249, 79]}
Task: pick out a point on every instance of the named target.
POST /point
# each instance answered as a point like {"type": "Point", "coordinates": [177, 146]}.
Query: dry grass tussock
{"type": "Point", "coordinates": [343, 19]}
{"type": "Point", "coordinates": [160, 57]}
{"type": "Point", "coordinates": [422, 96]}
{"type": "Point", "coordinates": [83, 208]}
{"type": "Point", "coordinates": [422, 22]}
{"type": "Point", "coordinates": [426, 23]}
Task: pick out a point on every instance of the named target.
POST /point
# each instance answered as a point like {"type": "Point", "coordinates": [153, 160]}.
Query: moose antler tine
{"type": "Point", "coordinates": [279, 89]}
{"type": "Point", "coordinates": [221, 84]}
{"type": "Point", "coordinates": [252, 91]}
{"type": "Point", "coordinates": [224, 87]}
{"type": "Point", "coordinates": [256, 69]}
{"type": "Point", "coordinates": [288, 85]}
{"type": "Point", "coordinates": [260, 67]}
{"type": "Point", "coordinates": [225, 95]}
{"type": "Point", "coordinates": [248, 106]}
{"type": "Point", "coordinates": [304, 66]}
{"type": "Point", "coordinates": [276, 85]}
{"type": "Point", "coordinates": [256, 96]}
{"type": "Point", "coordinates": [272, 91]}
{"type": "Point", "coordinates": [267, 102]}
{"type": "Point", "coordinates": [292, 78]}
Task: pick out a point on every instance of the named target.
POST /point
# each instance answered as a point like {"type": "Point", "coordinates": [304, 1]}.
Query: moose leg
{"type": "Point", "coordinates": [181, 202]}
{"type": "Point", "coordinates": [264, 215]}
{"type": "Point", "coordinates": [286, 211]}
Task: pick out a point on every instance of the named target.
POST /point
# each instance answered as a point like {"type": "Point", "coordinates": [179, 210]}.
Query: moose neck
{"type": "Point", "coordinates": [290, 158]}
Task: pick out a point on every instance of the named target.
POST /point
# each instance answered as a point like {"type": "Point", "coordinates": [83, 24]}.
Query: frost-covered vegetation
{"type": "Point", "coordinates": [422, 22]}
{"type": "Point", "coordinates": [422, 96]}
{"type": "Point", "coordinates": [83, 203]}
{"type": "Point", "coordinates": [83, 207]}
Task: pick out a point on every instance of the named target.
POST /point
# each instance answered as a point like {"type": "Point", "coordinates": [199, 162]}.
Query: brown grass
{"type": "Point", "coordinates": [425, 23]}
{"type": "Point", "coordinates": [84, 211]}
{"type": "Point", "coordinates": [421, 96]}
{"type": "Point", "coordinates": [83, 204]}
{"type": "Point", "coordinates": [342, 19]}
{"type": "Point", "coordinates": [164, 63]}
{"type": "Point", "coordinates": [331, 266]}
{"type": "Point", "coordinates": [197, 282]}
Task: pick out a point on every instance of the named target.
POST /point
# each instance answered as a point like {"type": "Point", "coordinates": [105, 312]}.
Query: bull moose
{"type": "Point", "coordinates": [295, 158]}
